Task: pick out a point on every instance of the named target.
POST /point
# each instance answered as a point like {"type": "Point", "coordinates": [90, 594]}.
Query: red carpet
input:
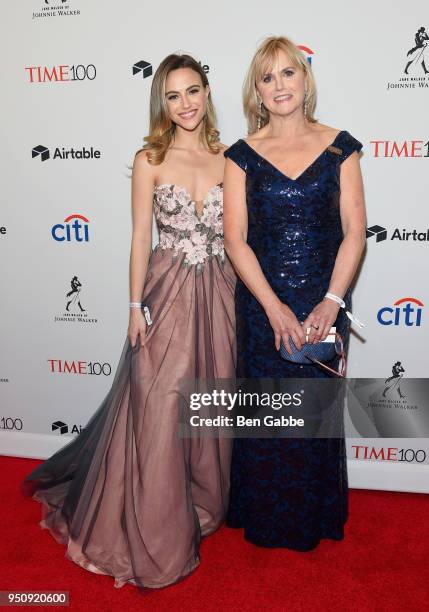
{"type": "Point", "coordinates": [382, 564]}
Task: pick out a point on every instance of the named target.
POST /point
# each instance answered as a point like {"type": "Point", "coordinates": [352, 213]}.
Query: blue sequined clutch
{"type": "Point", "coordinates": [320, 352]}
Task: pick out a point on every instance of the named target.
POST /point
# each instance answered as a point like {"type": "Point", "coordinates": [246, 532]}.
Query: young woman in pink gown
{"type": "Point", "coordinates": [129, 497]}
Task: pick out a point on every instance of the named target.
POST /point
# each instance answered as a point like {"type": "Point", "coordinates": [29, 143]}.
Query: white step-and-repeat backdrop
{"type": "Point", "coordinates": [76, 77]}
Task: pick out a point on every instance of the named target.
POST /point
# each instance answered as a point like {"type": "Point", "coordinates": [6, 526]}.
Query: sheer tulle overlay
{"type": "Point", "coordinates": [129, 497]}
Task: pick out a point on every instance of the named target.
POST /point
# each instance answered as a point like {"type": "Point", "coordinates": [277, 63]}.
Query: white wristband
{"type": "Point", "coordinates": [335, 298]}
{"type": "Point", "coordinates": [342, 304]}
{"type": "Point", "coordinates": [146, 313]}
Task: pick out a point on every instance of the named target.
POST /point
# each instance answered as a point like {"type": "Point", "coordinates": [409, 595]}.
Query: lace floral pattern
{"type": "Point", "coordinates": [182, 230]}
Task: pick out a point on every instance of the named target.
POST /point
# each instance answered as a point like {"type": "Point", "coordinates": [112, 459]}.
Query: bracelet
{"type": "Point", "coordinates": [146, 311]}
{"type": "Point", "coordinates": [335, 298]}
{"type": "Point", "coordinates": [338, 300]}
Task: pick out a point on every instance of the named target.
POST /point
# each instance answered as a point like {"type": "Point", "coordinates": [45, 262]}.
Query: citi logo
{"type": "Point", "coordinates": [143, 68]}
{"type": "Point", "coordinates": [405, 311]}
{"type": "Point", "coordinates": [61, 153]}
{"type": "Point", "coordinates": [63, 73]}
{"type": "Point", "coordinates": [307, 52]}
{"type": "Point", "coordinates": [74, 228]}
{"type": "Point", "coordinates": [63, 428]}
{"type": "Point", "coordinates": [396, 148]}
{"type": "Point", "coordinates": [403, 235]}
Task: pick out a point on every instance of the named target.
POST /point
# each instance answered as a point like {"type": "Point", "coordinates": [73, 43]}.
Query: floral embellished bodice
{"type": "Point", "coordinates": [184, 229]}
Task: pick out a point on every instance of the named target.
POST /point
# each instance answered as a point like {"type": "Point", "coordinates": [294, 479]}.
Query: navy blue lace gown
{"type": "Point", "coordinates": [289, 492]}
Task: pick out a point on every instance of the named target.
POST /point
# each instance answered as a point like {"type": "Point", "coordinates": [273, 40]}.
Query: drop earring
{"type": "Point", "coordinates": [305, 104]}
{"type": "Point", "coordinates": [259, 115]}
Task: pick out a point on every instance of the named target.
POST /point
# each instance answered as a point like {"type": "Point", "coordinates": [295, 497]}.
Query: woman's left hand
{"type": "Point", "coordinates": [320, 320]}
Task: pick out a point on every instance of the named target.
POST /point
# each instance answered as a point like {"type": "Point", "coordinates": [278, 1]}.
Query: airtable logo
{"type": "Point", "coordinates": [72, 229]}
{"type": "Point", "coordinates": [60, 426]}
{"type": "Point", "coordinates": [63, 428]}
{"type": "Point", "coordinates": [403, 235]}
{"type": "Point", "coordinates": [406, 311]}
{"type": "Point", "coordinates": [40, 151]}
{"type": "Point", "coordinates": [63, 153]}
{"type": "Point", "coordinates": [143, 68]}
{"type": "Point", "coordinates": [379, 232]}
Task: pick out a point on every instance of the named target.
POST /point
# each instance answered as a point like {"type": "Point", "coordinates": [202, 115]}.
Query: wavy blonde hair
{"type": "Point", "coordinates": [161, 128]}
{"type": "Point", "coordinates": [262, 62]}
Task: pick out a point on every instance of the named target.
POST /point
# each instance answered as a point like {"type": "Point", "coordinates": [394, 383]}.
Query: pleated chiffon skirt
{"type": "Point", "coordinates": [129, 497]}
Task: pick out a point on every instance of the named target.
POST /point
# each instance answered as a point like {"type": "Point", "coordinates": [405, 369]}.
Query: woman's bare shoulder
{"type": "Point", "coordinates": [326, 130]}
{"type": "Point", "coordinates": [256, 141]}
{"type": "Point", "coordinates": [256, 136]}
{"type": "Point", "coordinates": [141, 157]}
{"type": "Point", "coordinates": [142, 165]}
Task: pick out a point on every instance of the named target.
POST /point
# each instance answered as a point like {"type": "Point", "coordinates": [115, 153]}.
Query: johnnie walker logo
{"type": "Point", "coordinates": [56, 8]}
{"type": "Point", "coordinates": [74, 309]}
{"type": "Point", "coordinates": [391, 407]}
{"type": "Point", "coordinates": [415, 64]}
{"type": "Point", "coordinates": [392, 384]}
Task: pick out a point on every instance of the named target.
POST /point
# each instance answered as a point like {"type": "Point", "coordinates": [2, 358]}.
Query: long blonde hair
{"type": "Point", "coordinates": [161, 128]}
{"type": "Point", "coordinates": [261, 62]}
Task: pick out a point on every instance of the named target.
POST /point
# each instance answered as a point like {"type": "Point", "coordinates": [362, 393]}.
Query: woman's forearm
{"type": "Point", "coordinates": [139, 260]}
{"type": "Point", "coordinates": [250, 272]}
{"type": "Point", "coordinates": [347, 261]}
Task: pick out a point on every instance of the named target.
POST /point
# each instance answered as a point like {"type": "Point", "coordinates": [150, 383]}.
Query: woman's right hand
{"type": "Point", "coordinates": [137, 325]}
{"type": "Point", "coordinates": [285, 324]}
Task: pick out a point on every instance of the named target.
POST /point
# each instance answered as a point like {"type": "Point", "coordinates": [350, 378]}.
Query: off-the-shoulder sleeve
{"type": "Point", "coordinates": [348, 144]}
{"type": "Point", "coordinates": [237, 153]}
